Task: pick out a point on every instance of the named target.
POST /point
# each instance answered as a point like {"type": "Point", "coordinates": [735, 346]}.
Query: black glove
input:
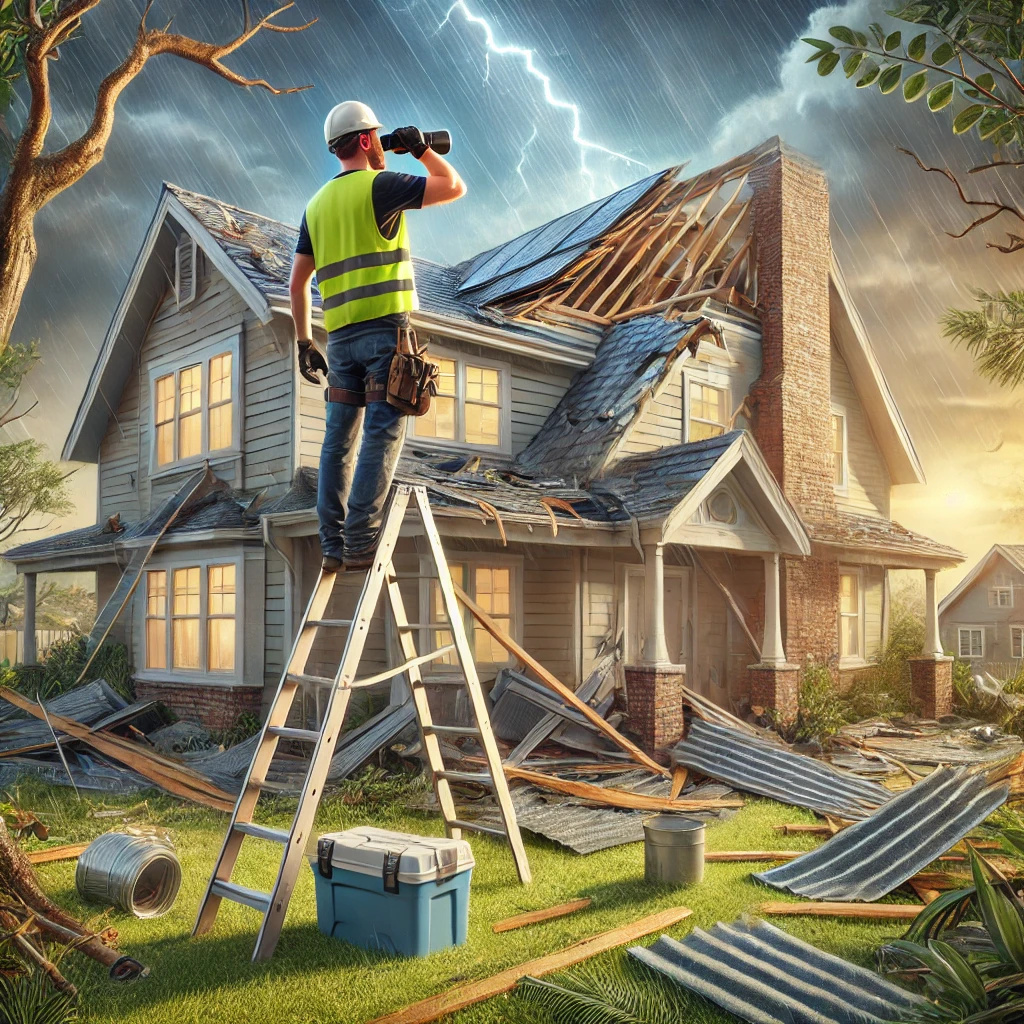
{"type": "Point", "coordinates": [411, 139]}
{"type": "Point", "coordinates": [310, 361]}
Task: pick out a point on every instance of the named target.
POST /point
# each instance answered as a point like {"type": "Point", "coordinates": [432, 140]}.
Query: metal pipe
{"type": "Point", "coordinates": [139, 874]}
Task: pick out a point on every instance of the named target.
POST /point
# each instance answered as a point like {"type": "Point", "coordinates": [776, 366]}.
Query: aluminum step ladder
{"type": "Point", "coordinates": [380, 578]}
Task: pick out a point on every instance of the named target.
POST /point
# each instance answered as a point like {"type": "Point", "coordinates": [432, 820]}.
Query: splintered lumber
{"type": "Point", "coordinates": [552, 683]}
{"type": "Point", "coordinates": [617, 797]}
{"type": "Point", "coordinates": [163, 772]}
{"type": "Point", "coordinates": [877, 911]}
{"type": "Point", "coordinates": [56, 853]}
{"type": "Point", "coordinates": [742, 855]}
{"type": "Point", "coordinates": [679, 776]}
{"type": "Point", "coordinates": [536, 916]}
{"type": "Point", "coordinates": [459, 998]}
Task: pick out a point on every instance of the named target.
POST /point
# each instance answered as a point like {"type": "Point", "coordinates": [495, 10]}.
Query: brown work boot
{"type": "Point", "coordinates": [331, 564]}
{"type": "Point", "coordinates": [361, 561]}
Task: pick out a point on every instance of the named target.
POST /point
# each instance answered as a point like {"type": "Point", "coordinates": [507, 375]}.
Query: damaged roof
{"type": "Point", "coordinates": [856, 531]}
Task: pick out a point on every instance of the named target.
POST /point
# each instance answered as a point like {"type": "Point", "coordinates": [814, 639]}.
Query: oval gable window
{"type": "Point", "coordinates": [722, 508]}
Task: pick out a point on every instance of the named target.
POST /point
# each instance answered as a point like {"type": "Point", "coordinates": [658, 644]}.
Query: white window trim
{"type": "Point", "coordinates": [859, 660]}
{"type": "Point", "coordinates": [993, 590]}
{"type": "Point", "coordinates": [183, 242]}
{"type": "Point", "coordinates": [504, 446]}
{"type": "Point", "coordinates": [168, 564]}
{"type": "Point", "coordinates": [959, 642]}
{"type": "Point", "coordinates": [471, 558]}
{"type": "Point", "coordinates": [709, 380]}
{"type": "Point", "coordinates": [202, 357]}
{"type": "Point", "coordinates": [1017, 628]}
{"type": "Point", "coordinates": [840, 411]}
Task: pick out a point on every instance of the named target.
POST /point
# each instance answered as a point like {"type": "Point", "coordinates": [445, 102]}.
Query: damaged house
{"type": "Point", "coordinates": [660, 428]}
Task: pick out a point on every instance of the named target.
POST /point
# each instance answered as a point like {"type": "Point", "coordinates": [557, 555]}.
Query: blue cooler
{"type": "Point", "coordinates": [393, 891]}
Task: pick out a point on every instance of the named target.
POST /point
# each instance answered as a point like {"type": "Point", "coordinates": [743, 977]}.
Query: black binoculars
{"type": "Point", "coordinates": [439, 142]}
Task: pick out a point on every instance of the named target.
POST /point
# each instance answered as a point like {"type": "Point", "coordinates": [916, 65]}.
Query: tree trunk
{"type": "Point", "coordinates": [17, 251]}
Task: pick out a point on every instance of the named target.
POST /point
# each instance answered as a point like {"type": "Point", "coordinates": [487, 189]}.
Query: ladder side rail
{"type": "Point", "coordinates": [477, 700]}
{"type": "Point", "coordinates": [334, 716]}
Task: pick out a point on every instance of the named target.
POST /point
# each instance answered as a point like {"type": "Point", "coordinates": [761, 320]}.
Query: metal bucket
{"type": "Point", "coordinates": [136, 873]}
{"type": "Point", "coordinates": [673, 850]}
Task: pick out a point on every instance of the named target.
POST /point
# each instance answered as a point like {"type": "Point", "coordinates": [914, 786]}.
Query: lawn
{"type": "Point", "coordinates": [312, 978]}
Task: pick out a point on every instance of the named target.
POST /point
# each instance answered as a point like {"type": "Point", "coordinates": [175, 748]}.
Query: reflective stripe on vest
{"type": "Point", "coordinates": [361, 274]}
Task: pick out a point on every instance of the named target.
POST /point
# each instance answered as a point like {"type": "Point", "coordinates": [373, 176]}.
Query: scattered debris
{"type": "Point", "coordinates": [765, 976]}
{"type": "Point", "coordinates": [879, 911]}
{"type": "Point", "coordinates": [461, 996]}
{"type": "Point", "coordinates": [56, 853]}
{"type": "Point", "coordinates": [536, 916]}
{"type": "Point", "coordinates": [874, 856]}
{"type": "Point", "coordinates": [138, 873]}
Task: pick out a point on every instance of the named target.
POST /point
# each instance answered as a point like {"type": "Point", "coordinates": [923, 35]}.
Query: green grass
{"type": "Point", "coordinates": [315, 979]}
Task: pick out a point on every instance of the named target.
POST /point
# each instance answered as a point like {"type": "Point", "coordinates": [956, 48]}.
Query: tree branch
{"type": "Point", "coordinates": [14, 419]}
{"type": "Point", "coordinates": [996, 163]}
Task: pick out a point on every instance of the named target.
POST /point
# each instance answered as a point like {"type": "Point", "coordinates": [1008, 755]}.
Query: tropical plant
{"type": "Point", "coordinates": [966, 949]}
{"type": "Point", "coordinates": [883, 690]}
{"type": "Point", "coordinates": [822, 712]}
{"type": "Point", "coordinates": [28, 998]}
{"type": "Point", "coordinates": [64, 663]}
{"type": "Point", "coordinates": [967, 59]}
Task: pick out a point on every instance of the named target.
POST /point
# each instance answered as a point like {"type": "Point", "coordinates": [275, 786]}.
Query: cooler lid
{"type": "Point", "coordinates": [423, 858]}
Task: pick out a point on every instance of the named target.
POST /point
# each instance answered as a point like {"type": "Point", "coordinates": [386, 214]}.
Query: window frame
{"type": "Point", "coordinates": [1017, 633]}
{"type": "Point", "coordinates": [473, 559]}
{"type": "Point", "coordinates": [960, 630]}
{"type": "Point", "coordinates": [184, 242]}
{"type": "Point", "coordinates": [859, 659]}
{"type": "Point", "coordinates": [708, 380]}
{"type": "Point", "coordinates": [461, 359]}
{"type": "Point", "coordinates": [188, 358]}
{"type": "Point", "coordinates": [993, 598]}
{"type": "Point", "coordinates": [203, 560]}
{"type": "Point", "coordinates": [844, 486]}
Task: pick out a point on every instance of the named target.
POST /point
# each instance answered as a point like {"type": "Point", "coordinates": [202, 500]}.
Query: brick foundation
{"type": "Point", "coordinates": [655, 696]}
{"type": "Point", "coordinates": [775, 687]}
{"type": "Point", "coordinates": [931, 686]}
{"type": "Point", "coordinates": [214, 707]}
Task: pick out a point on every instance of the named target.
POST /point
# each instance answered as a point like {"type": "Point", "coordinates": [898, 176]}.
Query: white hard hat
{"type": "Point", "coordinates": [350, 116]}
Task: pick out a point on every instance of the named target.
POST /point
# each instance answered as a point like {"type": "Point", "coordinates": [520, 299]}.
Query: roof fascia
{"type": "Point", "coordinates": [882, 412]}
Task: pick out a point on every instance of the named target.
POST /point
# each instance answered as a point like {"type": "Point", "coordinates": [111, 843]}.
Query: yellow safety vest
{"type": "Point", "coordinates": [360, 273]}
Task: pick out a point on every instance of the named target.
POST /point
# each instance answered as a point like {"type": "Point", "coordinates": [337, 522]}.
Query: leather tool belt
{"type": "Point", "coordinates": [412, 380]}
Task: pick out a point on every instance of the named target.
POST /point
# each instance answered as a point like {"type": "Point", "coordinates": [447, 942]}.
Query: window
{"type": "Point", "coordinates": [491, 586]}
{"type": "Point", "coordinates": [971, 642]}
{"type": "Point", "coordinates": [470, 406]}
{"type": "Point", "coordinates": [707, 412]}
{"type": "Point", "coordinates": [838, 451]}
{"type": "Point", "coordinates": [185, 270]}
{"type": "Point", "coordinates": [1001, 595]}
{"type": "Point", "coordinates": [194, 410]}
{"type": "Point", "coordinates": [198, 634]}
{"type": "Point", "coordinates": [1017, 642]}
{"type": "Point", "coordinates": [849, 616]}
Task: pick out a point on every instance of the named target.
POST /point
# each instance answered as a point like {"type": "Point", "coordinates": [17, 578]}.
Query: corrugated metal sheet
{"type": "Point", "coordinates": [86, 704]}
{"type": "Point", "coordinates": [873, 857]}
{"type": "Point", "coordinates": [765, 976]}
{"type": "Point", "coordinates": [768, 769]}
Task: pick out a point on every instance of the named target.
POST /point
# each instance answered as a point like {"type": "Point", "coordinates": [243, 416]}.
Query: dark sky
{"type": "Point", "coordinates": [657, 82]}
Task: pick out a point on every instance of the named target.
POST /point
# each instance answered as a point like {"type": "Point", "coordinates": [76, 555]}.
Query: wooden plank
{"type": "Point", "coordinates": [536, 916]}
{"type": "Point", "coordinates": [876, 911]}
{"type": "Point", "coordinates": [729, 856]}
{"type": "Point", "coordinates": [56, 853]}
{"type": "Point", "coordinates": [679, 776]}
{"type": "Point", "coordinates": [615, 797]}
{"type": "Point", "coordinates": [458, 998]}
{"type": "Point", "coordinates": [552, 683]}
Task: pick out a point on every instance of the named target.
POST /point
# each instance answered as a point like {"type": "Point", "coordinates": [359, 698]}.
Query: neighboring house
{"type": "Point", "coordinates": [679, 363]}
{"type": "Point", "coordinates": [982, 619]}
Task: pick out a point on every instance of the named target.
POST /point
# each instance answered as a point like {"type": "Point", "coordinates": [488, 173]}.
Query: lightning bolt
{"type": "Point", "coordinates": [584, 145]}
{"type": "Point", "coordinates": [522, 158]}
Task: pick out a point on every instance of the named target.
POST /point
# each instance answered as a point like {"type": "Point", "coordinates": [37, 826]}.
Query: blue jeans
{"type": "Point", "coordinates": [350, 504]}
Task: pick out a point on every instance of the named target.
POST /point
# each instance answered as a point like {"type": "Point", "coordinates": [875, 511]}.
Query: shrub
{"type": "Point", "coordinates": [883, 690]}
{"type": "Point", "coordinates": [822, 712]}
{"type": "Point", "coordinates": [246, 724]}
{"type": "Point", "coordinates": [64, 663]}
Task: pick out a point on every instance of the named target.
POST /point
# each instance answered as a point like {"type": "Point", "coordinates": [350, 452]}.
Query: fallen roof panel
{"type": "Point", "coordinates": [763, 975]}
{"type": "Point", "coordinates": [874, 856]}
{"type": "Point", "coordinates": [753, 765]}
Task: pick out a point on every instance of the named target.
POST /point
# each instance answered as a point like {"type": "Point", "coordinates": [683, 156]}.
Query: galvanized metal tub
{"type": "Point", "coordinates": [137, 873]}
{"type": "Point", "coordinates": [673, 850]}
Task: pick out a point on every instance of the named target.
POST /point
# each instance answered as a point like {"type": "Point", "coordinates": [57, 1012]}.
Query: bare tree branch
{"type": "Point", "coordinates": [996, 163]}
{"type": "Point", "coordinates": [14, 419]}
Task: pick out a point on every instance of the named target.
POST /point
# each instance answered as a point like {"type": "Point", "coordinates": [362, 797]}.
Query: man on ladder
{"type": "Point", "coordinates": [354, 237]}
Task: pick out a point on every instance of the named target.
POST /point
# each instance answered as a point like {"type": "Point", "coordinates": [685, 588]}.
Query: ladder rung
{"type": "Point", "coordinates": [412, 576]}
{"type": "Point", "coordinates": [425, 625]}
{"type": "Point", "coordinates": [335, 623]}
{"type": "Point", "coordinates": [481, 778]}
{"type": "Point", "coordinates": [299, 677]}
{"type": "Point", "coordinates": [272, 835]}
{"type": "Point", "coordinates": [240, 894]}
{"type": "Point", "coordinates": [474, 827]}
{"type": "Point", "coordinates": [452, 730]}
{"type": "Point", "coordinates": [277, 787]}
{"type": "Point", "coordinates": [284, 733]}
{"type": "Point", "coordinates": [442, 681]}
{"type": "Point", "coordinates": [398, 670]}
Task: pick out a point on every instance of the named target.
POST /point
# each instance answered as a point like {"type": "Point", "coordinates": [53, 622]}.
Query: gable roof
{"type": "Point", "coordinates": [1012, 554]}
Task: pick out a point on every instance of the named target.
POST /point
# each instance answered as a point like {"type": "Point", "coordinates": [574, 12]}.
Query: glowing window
{"type": "Point", "coordinates": [491, 587]}
{"type": "Point", "coordinates": [221, 404]}
{"type": "Point", "coordinates": [220, 618]}
{"type": "Point", "coordinates": [164, 420]}
{"type": "Point", "coordinates": [185, 618]}
{"type": "Point", "coordinates": [156, 618]}
{"type": "Point", "coordinates": [190, 411]}
{"type": "Point", "coordinates": [468, 406]}
{"type": "Point", "coordinates": [440, 420]}
{"type": "Point", "coordinates": [849, 616]}
{"type": "Point", "coordinates": [707, 412]}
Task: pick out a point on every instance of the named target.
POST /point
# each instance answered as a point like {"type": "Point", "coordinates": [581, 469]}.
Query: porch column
{"type": "Point", "coordinates": [771, 647]}
{"type": "Point", "coordinates": [29, 654]}
{"type": "Point", "coordinates": [932, 645]}
{"type": "Point", "coordinates": [931, 674]}
{"type": "Point", "coordinates": [655, 649]}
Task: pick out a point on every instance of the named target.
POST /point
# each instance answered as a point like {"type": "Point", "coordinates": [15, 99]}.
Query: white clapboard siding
{"type": "Point", "coordinates": [868, 488]}
{"type": "Point", "coordinates": [600, 607]}
{"type": "Point", "coordinates": [267, 431]}
{"type": "Point", "coordinates": [277, 635]}
{"type": "Point", "coordinates": [874, 580]}
{"type": "Point", "coordinates": [549, 598]}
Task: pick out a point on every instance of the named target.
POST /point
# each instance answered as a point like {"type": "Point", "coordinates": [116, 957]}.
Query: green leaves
{"type": "Point", "coordinates": [845, 35]}
{"type": "Point", "coordinates": [828, 63]}
{"type": "Point", "coordinates": [941, 95]}
{"type": "Point", "coordinates": [853, 62]}
{"type": "Point", "coordinates": [1001, 918]}
{"type": "Point", "coordinates": [889, 79]}
{"type": "Point", "coordinates": [869, 77]}
{"type": "Point", "coordinates": [823, 47]}
{"type": "Point", "coordinates": [892, 41]}
{"type": "Point", "coordinates": [917, 46]}
{"type": "Point", "coordinates": [915, 86]}
{"type": "Point", "coordinates": [967, 118]}
{"type": "Point", "coordinates": [943, 54]}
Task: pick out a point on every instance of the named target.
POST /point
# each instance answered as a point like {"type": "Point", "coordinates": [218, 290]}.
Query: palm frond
{"type": "Point", "coordinates": [993, 334]}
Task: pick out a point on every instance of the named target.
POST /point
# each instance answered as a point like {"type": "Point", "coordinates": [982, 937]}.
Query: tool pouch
{"type": "Point", "coordinates": [412, 380]}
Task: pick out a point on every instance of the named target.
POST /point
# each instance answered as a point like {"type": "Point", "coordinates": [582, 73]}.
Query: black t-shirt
{"type": "Point", "coordinates": [392, 193]}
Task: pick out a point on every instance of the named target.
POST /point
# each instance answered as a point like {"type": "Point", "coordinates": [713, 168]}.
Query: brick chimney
{"type": "Point", "coordinates": [791, 400]}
